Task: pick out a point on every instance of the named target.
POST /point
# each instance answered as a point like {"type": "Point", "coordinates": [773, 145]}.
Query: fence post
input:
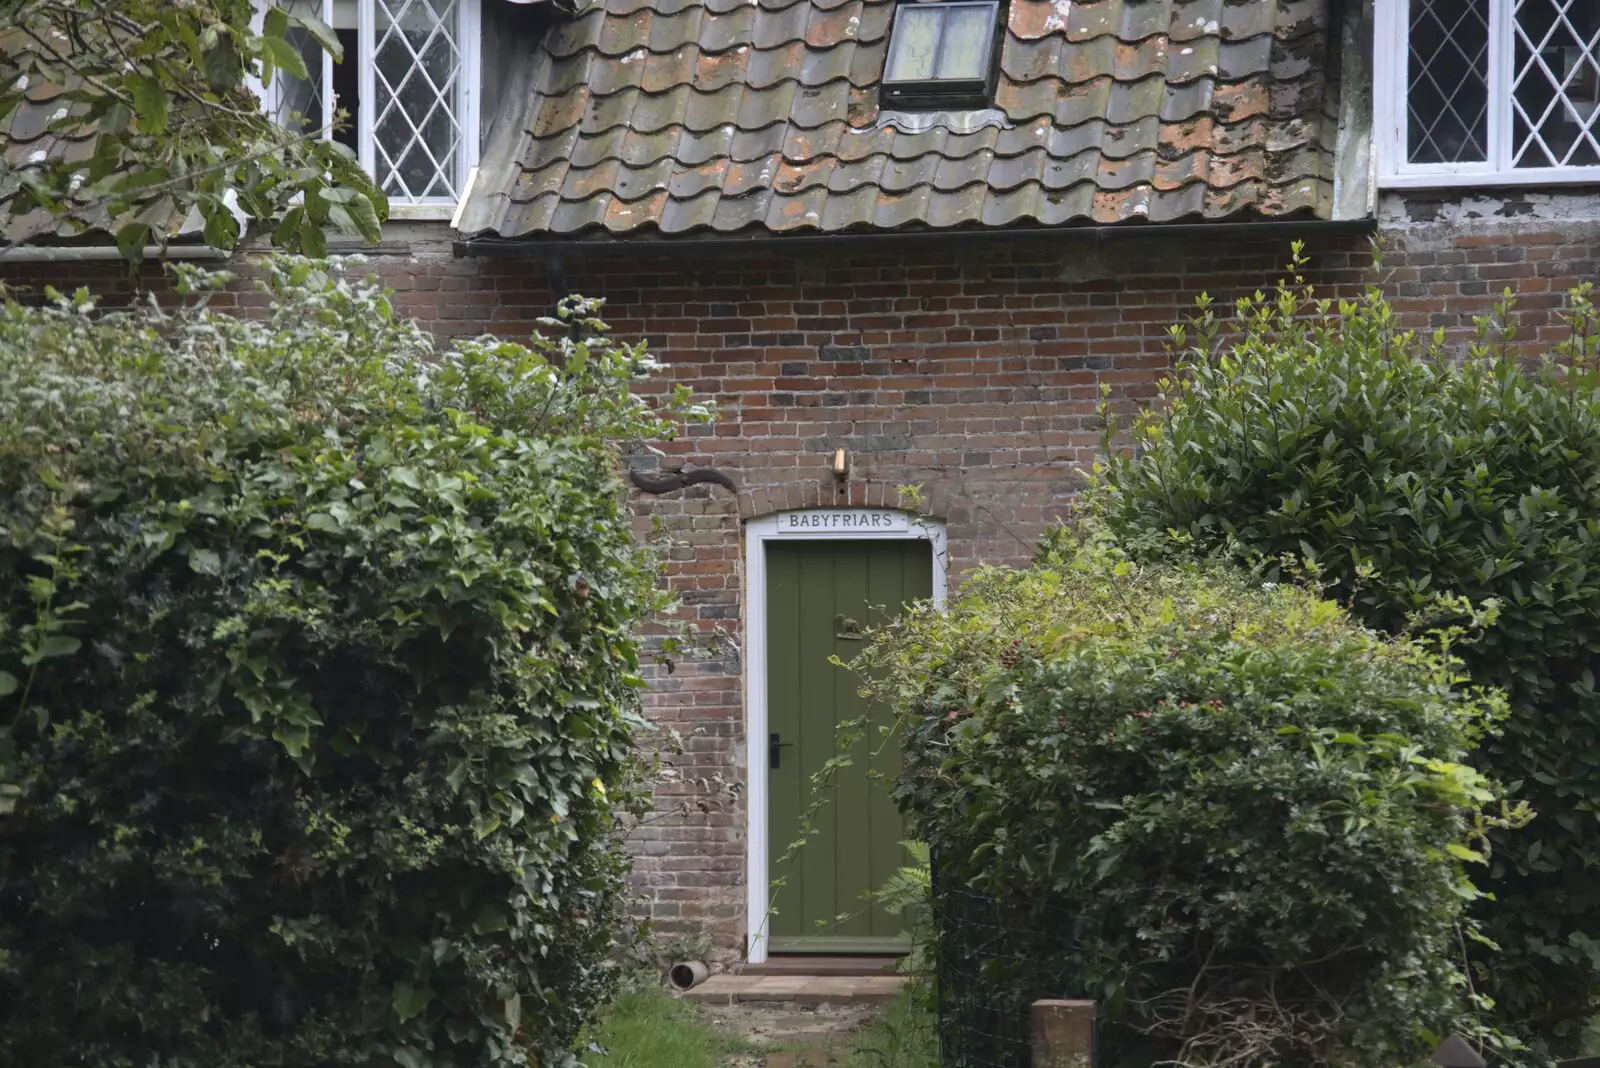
{"type": "Point", "coordinates": [1063, 1034]}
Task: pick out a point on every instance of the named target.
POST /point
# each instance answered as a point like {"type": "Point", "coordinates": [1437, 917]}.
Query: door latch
{"type": "Point", "coordinates": [775, 747]}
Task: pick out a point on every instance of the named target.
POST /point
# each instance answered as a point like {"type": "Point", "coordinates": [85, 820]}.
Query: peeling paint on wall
{"type": "Point", "coordinates": [1436, 219]}
{"type": "Point", "coordinates": [1400, 210]}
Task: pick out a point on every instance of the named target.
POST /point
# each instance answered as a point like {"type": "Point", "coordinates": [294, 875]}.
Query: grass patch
{"type": "Point", "coordinates": [904, 1035]}
{"type": "Point", "coordinates": [648, 1028]}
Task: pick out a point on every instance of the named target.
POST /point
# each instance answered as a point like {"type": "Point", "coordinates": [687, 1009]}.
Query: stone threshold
{"type": "Point", "coordinates": [798, 989]}
{"type": "Point", "coordinates": [816, 966]}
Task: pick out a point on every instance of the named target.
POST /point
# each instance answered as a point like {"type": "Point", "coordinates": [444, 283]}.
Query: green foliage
{"type": "Point", "coordinates": [908, 893]}
{"type": "Point", "coordinates": [321, 682]}
{"type": "Point", "coordinates": [1325, 431]}
{"type": "Point", "coordinates": [180, 130]}
{"type": "Point", "coordinates": [648, 1028]}
{"type": "Point", "coordinates": [1256, 810]}
{"type": "Point", "coordinates": [904, 1035]}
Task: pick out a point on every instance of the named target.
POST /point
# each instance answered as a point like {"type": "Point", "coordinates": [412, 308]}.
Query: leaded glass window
{"type": "Point", "coordinates": [1448, 96]}
{"type": "Point", "coordinates": [405, 86]}
{"type": "Point", "coordinates": [1488, 91]}
{"type": "Point", "coordinates": [417, 75]}
{"type": "Point", "coordinates": [1556, 71]}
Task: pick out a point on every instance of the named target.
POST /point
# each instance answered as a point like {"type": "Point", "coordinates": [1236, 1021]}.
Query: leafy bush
{"type": "Point", "coordinates": [908, 894]}
{"type": "Point", "coordinates": [319, 683]}
{"type": "Point", "coordinates": [1253, 810]}
{"type": "Point", "coordinates": [1325, 431]}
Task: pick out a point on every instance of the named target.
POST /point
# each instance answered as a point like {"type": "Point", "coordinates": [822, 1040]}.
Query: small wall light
{"type": "Point", "coordinates": [841, 464]}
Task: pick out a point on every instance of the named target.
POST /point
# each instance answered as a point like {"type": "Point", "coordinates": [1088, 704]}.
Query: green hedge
{"type": "Point", "coordinates": [1252, 811]}
{"type": "Point", "coordinates": [319, 683]}
{"type": "Point", "coordinates": [1406, 471]}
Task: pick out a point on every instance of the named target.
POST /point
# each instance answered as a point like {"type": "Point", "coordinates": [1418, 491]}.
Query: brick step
{"type": "Point", "coordinates": [799, 989]}
{"type": "Point", "coordinates": [809, 965]}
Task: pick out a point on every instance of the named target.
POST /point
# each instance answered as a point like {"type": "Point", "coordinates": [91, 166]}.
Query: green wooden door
{"type": "Point", "coordinates": [819, 595]}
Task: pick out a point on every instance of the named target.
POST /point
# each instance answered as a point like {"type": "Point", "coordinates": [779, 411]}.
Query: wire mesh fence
{"type": "Point", "coordinates": [995, 957]}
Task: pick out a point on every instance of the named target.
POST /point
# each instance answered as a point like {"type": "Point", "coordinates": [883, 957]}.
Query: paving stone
{"type": "Point", "coordinates": [833, 990]}
{"type": "Point", "coordinates": [775, 988]}
{"type": "Point", "coordinates": [717, 990]}
{"type": "Point", "coordinates": [800, 989]}
{"type": "Point", "coordinates": [879, 987]}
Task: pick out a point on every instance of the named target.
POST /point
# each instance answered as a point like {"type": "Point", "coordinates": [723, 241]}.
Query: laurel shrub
{"type": "Point", "coordinates": [1408, 470]}
{"type": "Point", "coordinates": [1221, 807]}
{"type": "Point", "coordinates": [318, 681]}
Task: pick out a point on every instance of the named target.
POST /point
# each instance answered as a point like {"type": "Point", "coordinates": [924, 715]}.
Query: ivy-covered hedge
{"type": "Point", "coordinates": [1253, 812]}
{"type": "Point", "coordinates": [317, 683]}
{"type": "Point", "coordinates": [1407, 470]}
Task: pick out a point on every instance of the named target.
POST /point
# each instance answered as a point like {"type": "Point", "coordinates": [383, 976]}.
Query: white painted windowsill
{"type": "Point", "coordinates": [421, 212]}
{"type": "Point", "coordinates": [1491, 179]}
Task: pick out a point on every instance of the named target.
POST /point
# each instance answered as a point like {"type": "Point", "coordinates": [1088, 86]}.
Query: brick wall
{"type": "Point", "coordinates": [973, 372]}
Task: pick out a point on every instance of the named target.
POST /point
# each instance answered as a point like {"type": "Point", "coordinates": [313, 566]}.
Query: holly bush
{"type": "Point", "coordinates": [1252, 813]}
{"type": "Point", "coordinates": [318, 682]}
{"type": "Point", "coordinates": [1405, 470]}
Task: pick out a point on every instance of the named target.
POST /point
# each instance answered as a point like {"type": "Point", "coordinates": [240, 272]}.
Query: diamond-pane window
{"type": "Point", "coordinates": [1556, 87]}
{"type": "Point", "coordinates": [404, 88]}
{"type": "Point", "coordinates": [1487, 92]}
{"type": "Point", "coordinates": [1447, 100]}
{"type": "Point", "coordinates": [300, 102]}
{"type": "Point", "coordinates": [416, 127]}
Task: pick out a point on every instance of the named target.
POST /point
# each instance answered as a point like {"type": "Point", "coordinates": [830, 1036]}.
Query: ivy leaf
{"type": "Point", "coordinates": [114, 121]}
{"type": "Point", "coordinates": [222, 67]}
{"type": "Point", "coordinates": [365, 217]}
{"type": "Point", "coordinates": [320, 31]}
{"type": "Point", "coordinates": [222, 229]}
{"type": "Point", "coordinates": [289, 226]}
{"type": "Point", "coordinates": [275, 23]}
{"type": "Point", "coordinates": [286, 57]}
{"type": "Point", "coordinates": [408, 1057]}
{"type": "Point", "coordinates": [293, 737]}
{"type": "Point", "coordinates": [131, 240]}
{"type": "Point", "coordinates": [58, 645]}
{"type": "Point", "coordinates": [490, 920]}
{"type": "Point", "coordinates": [312, 241]}
{"type": "Point", "coordinates": [150, 102]}
{"type": "Point", "coordinates": [205, 562]}
{"type": "Point", "coordinates": [410, 1001]}
{"type": "Point", "coordinates": [455, 774]}
{"type": "Point", "coordinates": [8, 683]}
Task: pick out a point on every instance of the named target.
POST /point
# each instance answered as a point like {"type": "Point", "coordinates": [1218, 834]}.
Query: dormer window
{"type": "Point", "coordinates": [409, 82]}
{"type": "Point", "coordinates": [1488, 92]}
{"type": "Point", "coordinates": [941, 55]}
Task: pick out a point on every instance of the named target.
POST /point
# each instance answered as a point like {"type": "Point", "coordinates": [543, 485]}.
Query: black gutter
{"type": "Point", "coordinates": [882, 241]}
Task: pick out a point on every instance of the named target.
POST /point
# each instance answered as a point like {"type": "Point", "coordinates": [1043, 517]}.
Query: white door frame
{"type": "Point", "coordinates": [757, 533]}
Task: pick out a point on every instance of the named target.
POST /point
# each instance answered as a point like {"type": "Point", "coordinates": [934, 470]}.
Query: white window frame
{"type": "Point", "coordinates": [468, 100]}
{"type": "Point", "coordinates": [1391, 55]}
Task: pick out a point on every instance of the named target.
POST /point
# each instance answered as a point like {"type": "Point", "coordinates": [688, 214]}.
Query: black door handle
{"type": "Point", "coordinates": [775, 747]}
